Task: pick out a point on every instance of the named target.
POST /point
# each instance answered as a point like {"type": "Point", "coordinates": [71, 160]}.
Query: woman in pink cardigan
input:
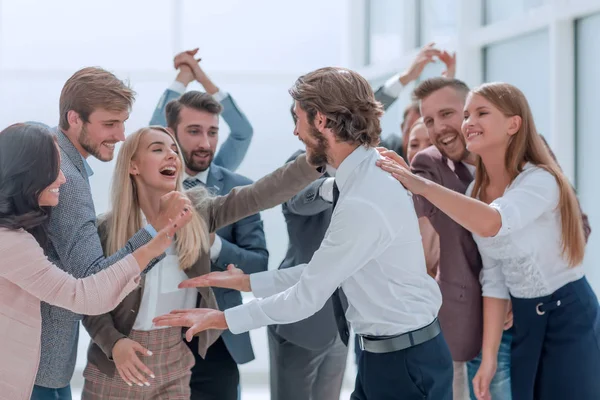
{"type": "Point", "coordinates": [30, 179]}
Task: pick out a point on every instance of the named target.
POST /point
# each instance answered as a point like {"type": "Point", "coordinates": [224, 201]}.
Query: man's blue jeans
{"type": "Point", "coordinates": [500, 386]}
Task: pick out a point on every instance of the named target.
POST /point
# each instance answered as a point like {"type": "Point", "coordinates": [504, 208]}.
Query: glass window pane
{"type": "Point", "coordinates": [437, 21]}
{"type": "Point", "coordinates": [269, 35]}
{"type": "Point", "coordinates": [44, 35]}
{"type": "Point", "coordinates": [386, 20]}
{"type": "Point", "coordinates": [588, 139]}
{"type": "Point", "coordinates": [495, 10]}
{"type": "Point", "coordinates": [525, 63]}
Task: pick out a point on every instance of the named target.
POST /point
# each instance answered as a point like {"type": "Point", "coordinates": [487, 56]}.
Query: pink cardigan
{"type": "Point", "coordinates": [26, 278]}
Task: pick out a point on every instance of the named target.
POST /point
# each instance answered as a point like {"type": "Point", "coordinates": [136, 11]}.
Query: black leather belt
{"type": "Point", "coordinates": [388, 344]}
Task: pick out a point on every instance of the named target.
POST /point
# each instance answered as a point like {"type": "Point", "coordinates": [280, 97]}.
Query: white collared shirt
{"type": "Point", "coordinates": [372, 249]}
{"type": "Point", "coordinates": [525, 257]}
{"type": "Point", "coordinates": [161, 294]}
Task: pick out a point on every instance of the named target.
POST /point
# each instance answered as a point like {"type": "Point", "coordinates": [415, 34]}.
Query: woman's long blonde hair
{"type": "Point", "coordinates": [527, 146]}
{"type": "Point", "coordinates": [125, 216]}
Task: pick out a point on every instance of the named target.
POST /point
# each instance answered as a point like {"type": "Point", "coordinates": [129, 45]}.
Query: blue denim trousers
{"type": "Point", "coordinates": [44, 393]}
{"type": "Point", "coordinates": [500, 388]}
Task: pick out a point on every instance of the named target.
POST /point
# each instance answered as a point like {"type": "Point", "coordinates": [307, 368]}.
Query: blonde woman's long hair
{"type": "Point", "coordinates": [125, 216]}
{"type": "Point", "coordinates": [527, 146]}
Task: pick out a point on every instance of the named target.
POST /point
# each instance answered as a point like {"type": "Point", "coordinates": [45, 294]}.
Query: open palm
{"type": "Point", "coordinates": [232, 278]}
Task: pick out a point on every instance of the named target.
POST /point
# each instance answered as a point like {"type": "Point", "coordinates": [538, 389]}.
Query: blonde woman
{"type": "Point", "coordinates": [526, 221]}
{"type": "Point", "coordinates": [149, 164]}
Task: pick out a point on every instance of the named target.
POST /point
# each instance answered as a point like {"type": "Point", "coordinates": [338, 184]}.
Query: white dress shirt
{"type": "Point", "coordinates": [525, 258]}
{"type": "Point", "coordinates": [393, 87]}
{"type": "Point", "coordinates": [161, 294]}
{"type": "Point", "coordinates": [215, 249]}
{"type": "Point", "coordinates": [372, 249]}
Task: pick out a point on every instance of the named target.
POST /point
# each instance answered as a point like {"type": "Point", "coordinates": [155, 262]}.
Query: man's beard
{"type": "Point", "coordinates": [318, 152]}
{"type": "Point", "coordinates": [198, 166]}
{"type": "Point", "coordinates": [92, 149]}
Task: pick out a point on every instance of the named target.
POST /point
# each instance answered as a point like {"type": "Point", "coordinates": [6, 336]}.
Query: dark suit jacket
{"type": "Point", "coordinates": [307, 217]}
{"type": "Point", "coordinates": [245, 246]}
{"type": "Point", "coordinates": [461, 315]}
{"type": "Point", "coordinates": [217, 212]}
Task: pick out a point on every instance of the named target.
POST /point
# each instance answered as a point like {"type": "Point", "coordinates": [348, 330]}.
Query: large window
{"type": "Point", "coordinates": [385, 26]}
{"type": "Point", "coordinates": [500, 10]}
{"type": "Point", "coordinates": [588, 135]}
{"type": "Point", "coordinates": [437, 21]}
{"type": "Point", "coordinates": [524, 62]}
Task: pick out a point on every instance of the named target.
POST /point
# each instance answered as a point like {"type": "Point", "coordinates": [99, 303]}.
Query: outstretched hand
{"type": "Point", "coordinates": [197, 319]}
{"type": "Point", "coordinates": [233, 278]}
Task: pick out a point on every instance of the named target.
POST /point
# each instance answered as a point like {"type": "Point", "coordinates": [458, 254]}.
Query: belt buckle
{"type": "Point", "coordinates": [537, 309]}
{"type": "Point", "coordinates": [361, 343]}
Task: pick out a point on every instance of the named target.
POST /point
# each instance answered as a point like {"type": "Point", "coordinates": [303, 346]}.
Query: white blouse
{"type": "Point", "coordinates": [525, 257]}
{"type": "Point", "coordinates": [161, 294]}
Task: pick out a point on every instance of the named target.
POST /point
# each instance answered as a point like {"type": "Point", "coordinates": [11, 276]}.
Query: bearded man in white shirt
{"type": "Point", "coordinates": [372, 252]}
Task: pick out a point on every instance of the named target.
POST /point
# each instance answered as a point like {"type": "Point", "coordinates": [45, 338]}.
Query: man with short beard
{"type": "Point", "coordinates": [449, 163]}
{"type": "Point", "coordinates": [372, 250]}
{"type": "Point", "coordinates": [193, 119]}
{"type": "Point", "coordinates": [94, 105]}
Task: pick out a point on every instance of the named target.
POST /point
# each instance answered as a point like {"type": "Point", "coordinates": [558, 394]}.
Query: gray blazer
{"type": "Point", "coordinates": [307, 217]}
{"type": "Point", "coordinates": [75, 248]}
{"type": "Point", "coordinates": [244, 245]}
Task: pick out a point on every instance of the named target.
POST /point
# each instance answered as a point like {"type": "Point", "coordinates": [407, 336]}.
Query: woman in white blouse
{"type": "Point", "coordinates": [526, 221]}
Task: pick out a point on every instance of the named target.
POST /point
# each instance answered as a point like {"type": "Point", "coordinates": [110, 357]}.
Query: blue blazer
{"type": "Point", "coordinates": [245, 246]}
{"type": "Point", "coordinates": [234, 149]}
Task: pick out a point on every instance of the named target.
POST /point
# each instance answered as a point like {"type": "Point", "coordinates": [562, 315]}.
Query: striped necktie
{"type": "Point", "coordinates": [191, 182]}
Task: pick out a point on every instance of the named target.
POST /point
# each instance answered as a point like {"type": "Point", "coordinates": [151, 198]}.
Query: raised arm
{"type": "Point", "coordinates": [234, 149]}
{"type": "Point", "coordinates": [25, 265]}
{"type": "Point", "coordinates": [269, 191]}
{"type": "Point", "coordinates": [74, 235]}
{"type": "Point", "coordinates": [536, 193]}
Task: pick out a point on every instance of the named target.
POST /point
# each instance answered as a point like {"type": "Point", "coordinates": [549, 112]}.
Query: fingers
{"type": "Point", "coordinates": [139, 378]}
{"type": "Point", "coordinates": [231, 267]}
{"type": "Point", "coordinates": [170, 320]}
{"type": "Point", "coordinates": [189, 334]}
{"type": "Point", "coordinates": [126, 376]}
{"type": "Point", "coordinates": [200, 281]}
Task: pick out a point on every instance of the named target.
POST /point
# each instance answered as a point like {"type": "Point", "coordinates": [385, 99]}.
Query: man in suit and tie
{"type": "Point", "coordinates": [308, 359]}
{"type": "Point", "coordinates": [234, 149]}
{"type": "Point", "coordinates": [94, 105]}
{"type": "Point", "coordinates": [194, 120]}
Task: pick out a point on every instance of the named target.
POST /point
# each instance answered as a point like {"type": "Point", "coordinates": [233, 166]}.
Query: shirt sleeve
{"type": "Point", "coordinates": [269, 283]}
{"type": "Point", "coordinates": [392, 87]}
{"type": "Point", "coordinates": [492, 279]}
{"type": "Point", "coordinates": [534, 192]}
{"type": "Point", "coordinates": [341, 254]}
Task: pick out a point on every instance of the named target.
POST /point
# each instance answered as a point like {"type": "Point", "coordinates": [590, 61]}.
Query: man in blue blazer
{"type": "Point", "coordinates": [194, 120]}
{"type": "Point", "coordinates": [234, 149]}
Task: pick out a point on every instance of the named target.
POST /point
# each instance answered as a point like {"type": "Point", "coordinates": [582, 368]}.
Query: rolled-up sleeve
{"type": "Point", "coordinates": [492, 279]}
{"type": "Point", "coordinates": [534, 192]}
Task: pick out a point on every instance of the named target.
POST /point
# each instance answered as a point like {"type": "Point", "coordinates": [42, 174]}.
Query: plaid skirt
{"type": "Point", "coordinates": [171, 363]}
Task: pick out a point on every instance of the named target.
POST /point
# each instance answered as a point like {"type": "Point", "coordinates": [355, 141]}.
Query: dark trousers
{"type": "Point", "coordinates": [420, 372]}
{"type": "Point", "coordinates": [217, 376]}
{"type": "Point", "coordinates": [44, 393]}
{"type": "Point", "coordinates": [556, 345]}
